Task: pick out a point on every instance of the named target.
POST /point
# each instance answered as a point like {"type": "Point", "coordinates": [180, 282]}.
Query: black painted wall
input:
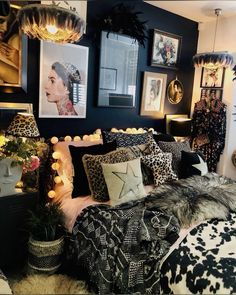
{"type": "Point", "coordinates": [102, 117]}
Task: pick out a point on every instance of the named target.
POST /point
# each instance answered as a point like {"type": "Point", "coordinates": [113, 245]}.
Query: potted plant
{"type": "Point", "coordinates": [46, 241]}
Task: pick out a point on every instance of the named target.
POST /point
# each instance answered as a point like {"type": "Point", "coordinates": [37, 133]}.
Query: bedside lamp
{"type": "Point", "coordinates": [180, 128]}
{"type": "Point", "coordinates": [23, 125]}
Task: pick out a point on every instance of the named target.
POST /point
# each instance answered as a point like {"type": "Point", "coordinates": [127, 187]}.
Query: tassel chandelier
{"type": "Point", "coordinates": [50, 23]}
{"type": "Point", "coordinates": [212, 60]}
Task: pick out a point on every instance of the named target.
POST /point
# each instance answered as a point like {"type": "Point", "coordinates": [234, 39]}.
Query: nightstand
{"type": "Point", "coordinates": [14, 237]}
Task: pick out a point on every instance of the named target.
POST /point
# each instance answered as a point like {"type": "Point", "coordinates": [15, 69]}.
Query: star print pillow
{"type": "Point", "coordinates": [124, 181]}
{"type": "Point", "coordinates": [193, 163]}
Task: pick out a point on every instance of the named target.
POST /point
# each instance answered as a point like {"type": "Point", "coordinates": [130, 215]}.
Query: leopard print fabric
{"type": "Point", "coordinates": [93, 169]}
{"type": "Point", "coordinates": [25, 127]}
{"type": "Point", "coordinates": [161, 166]}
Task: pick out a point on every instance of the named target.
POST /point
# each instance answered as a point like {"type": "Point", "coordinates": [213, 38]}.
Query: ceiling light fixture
{"type": "Point", "coordinates": [212, 60]}
{"type": "Point", "coordinates": [50, 23]}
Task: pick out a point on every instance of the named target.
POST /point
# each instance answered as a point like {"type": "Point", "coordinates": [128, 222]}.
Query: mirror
{"type": "Point", "coordinates": [117, 72]}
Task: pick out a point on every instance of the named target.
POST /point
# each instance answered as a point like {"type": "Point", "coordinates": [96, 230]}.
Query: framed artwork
{"type": "Point", "coordinates": [211, 93]}
{"type": "Point", "coordinates": [165, 50]}
{"type": "Point", "coordinates": [108, 78]}
{"type": "Point", "coordinates": [63, 80]}
{"type": "Point", "coordinates": [175, 91]}
{"type": "Point", "coordinates": [13, 52]}
{"type": "Point", "coordinates": [213, 78]}
{"type": "Point", "coordinates": [153, 96]}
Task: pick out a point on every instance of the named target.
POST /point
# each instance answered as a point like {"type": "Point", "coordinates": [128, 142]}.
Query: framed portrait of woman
{"type": "Point", "coordinates": [13, 51]}
{"type": "Point", "coordinates": [63, 80]}
{"type": "Point", "coordinates": [175, 91]}
{"type": "Point", "coordinates": [153, 96]}
{"type": "Point", "coordinates": [212, 78]}
{"type": "Point", "coordinates": [165, 50]}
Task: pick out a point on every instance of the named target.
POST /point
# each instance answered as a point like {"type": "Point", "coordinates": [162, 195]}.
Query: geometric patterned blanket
{"type": "Point", "coordinates": [121, 247]}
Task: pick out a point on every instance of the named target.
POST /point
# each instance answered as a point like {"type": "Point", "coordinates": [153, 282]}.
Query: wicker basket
{"type": "Point", "coordinates": [45, 257]}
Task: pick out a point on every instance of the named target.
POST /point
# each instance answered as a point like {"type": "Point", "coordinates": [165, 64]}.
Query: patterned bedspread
{"type": "Point", "coordinates": [204, 262]}
{"type": "Point", "coordinates": [122, 246]}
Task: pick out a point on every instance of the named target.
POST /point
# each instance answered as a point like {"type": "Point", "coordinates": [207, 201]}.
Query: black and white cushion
{"type": "Point", "coordinates": [175, 148]}
{"type": "Point", "coordinates": [193, 163]}
{"type": "Point", "coordinates": [125, 139]}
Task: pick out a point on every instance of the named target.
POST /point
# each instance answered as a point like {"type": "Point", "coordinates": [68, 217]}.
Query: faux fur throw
{"type": "Point", "coordinates": [197, 198]}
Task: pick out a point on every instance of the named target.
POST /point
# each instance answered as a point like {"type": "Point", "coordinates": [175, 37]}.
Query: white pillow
{"type": "Point", "coordinates": [124, 181]}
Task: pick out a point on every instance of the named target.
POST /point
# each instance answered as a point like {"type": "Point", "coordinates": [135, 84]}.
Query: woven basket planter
{"type": "Point", "coordinates": [45, 257]}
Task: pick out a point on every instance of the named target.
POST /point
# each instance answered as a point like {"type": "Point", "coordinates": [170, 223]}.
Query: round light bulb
{"type": "Point", "coordinates": [55, 166]}
{"type": "Point", "coordinates": [67, 138]}
{"type": "Point", "coordinates": [51, 194]}
{"type": "Point", "coordinates": [151, 130]}
{"type": "Point", "coordinates": [54, 140]}
{"type": "Point", "coordinates": [85, 137]}
{"type": "Point", "coordinates": [56, 155]}
{"type": "Point", "coordinates": [98, 131]}
{"type": "Point", "coordinates": [77, 138]}
{"type": "Point", "coordinates": [140, 130]}
{"type": "Point", "coordinates": [57, 179]}
{"type": "Point", "coordinates": [114, 130]}
{"type": "Point", "coordinates": [96, 136]}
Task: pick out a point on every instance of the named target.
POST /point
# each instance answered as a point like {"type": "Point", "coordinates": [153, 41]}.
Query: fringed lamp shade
{"type": "Point", "coordinates": [23, 125]}
{"type": "Point", "coordinates": [50, 23]}
{"type": "Point", "coordinates": [212, 60]}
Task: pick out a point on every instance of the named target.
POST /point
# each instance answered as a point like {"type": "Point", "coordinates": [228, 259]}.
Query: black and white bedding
{"type": "Point", "coordinates": [204, 262]}
{"type": "Point", "coordinates": [4, 287]}
{"type": "Point", "coordinates": [122, 248]}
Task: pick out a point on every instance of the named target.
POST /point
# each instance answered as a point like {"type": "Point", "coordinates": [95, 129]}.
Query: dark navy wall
{"type": "Point", "coordinates": [102, 117]}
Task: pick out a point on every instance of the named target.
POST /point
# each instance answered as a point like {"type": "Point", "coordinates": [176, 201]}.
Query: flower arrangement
{"type": "Point", "coordinates": [23, 152]}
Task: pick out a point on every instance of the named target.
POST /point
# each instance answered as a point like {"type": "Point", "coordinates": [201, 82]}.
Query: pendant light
{"type": "Point", "coordinates": [214, 59]}
{"type": "Point", "coordinates": [50, 23]}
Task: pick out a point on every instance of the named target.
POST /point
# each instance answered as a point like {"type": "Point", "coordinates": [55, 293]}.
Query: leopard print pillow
{"type": "Point", "coordinates": [161, 166]}
{"type": "Point", "coordinates": [93, 169]}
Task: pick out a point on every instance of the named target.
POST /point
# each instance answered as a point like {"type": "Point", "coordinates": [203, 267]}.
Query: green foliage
{"type": "Point", "coordinates": [47, 222]}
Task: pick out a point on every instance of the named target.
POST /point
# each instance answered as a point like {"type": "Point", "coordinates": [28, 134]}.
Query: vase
{"type": "Point", "coordinates": [45, 256]}
{"type": "Point", "coordinates": [9, 176]}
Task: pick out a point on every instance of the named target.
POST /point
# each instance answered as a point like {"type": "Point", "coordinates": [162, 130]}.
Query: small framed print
{"type": "Point", "coordinates": [165, 50]}
{"type": "Point", "coordinates": [153, 97]}
{"type": "Point", "coordinates": [212, 78]}
{"type": "Point", "coordinates": [211, 93]}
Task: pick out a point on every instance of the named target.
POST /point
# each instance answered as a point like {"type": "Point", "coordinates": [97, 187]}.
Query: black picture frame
{"type": "Point", "coordinates": [18, 64]}
{"type": "Point", "coordinates": [212, 78]}
{"type": "Point", "coordinates": [165, 50]}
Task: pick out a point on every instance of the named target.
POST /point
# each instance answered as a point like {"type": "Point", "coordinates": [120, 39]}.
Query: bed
{"type": "Point", "coordinates": [178, 238]}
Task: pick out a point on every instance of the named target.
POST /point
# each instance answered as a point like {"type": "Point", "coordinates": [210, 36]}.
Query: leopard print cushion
{"type": "Point", "coordinates": [141, 150]}
{"type": "Point", "coordinates": [93, 169]}
{"type": "Point", "coordinates": [175, 148]}
{"type": "Point", "coordinates": [161, 166]}
{"type": "Point", "coordinates": [125, 139]}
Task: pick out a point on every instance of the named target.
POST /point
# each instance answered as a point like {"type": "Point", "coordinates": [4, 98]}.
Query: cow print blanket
{"type": "Point", "coordinates": [204, 262]}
